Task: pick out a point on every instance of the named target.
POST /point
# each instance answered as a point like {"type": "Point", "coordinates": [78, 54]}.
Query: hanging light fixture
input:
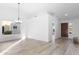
{"type": "Point", "coordinates": [18, 11]}
{"type": "Point", "coordinates": [18, 19]}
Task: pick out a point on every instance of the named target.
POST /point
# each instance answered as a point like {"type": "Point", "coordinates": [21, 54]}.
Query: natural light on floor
{"type": "Point", "coordinates": [11, 46]}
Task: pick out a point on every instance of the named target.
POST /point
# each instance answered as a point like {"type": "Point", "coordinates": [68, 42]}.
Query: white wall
{"type": "Point", "coordinates": [38, 27]}
{"type": "Point", "coordinates": [8, 11]}
{"type": "Point", "coordinates": [56, 34]}
{"type": "Point", "coordinates": [75, 27]}
{"type": "Point", "coordinates": [58, 28]}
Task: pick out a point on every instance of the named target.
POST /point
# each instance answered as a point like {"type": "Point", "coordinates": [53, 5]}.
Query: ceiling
{"type": "Point", "coordinates": [59, 9]}
{"type": "Point", "coordinates": [28, 10]}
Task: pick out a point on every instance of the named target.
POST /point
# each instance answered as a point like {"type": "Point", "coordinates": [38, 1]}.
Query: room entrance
{"type": "Point", "coordinates": [64, 29]}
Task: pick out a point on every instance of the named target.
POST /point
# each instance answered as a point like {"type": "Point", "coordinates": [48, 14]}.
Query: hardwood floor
{"type": "Point", "coordinates": [6, 44]}
{"type": "Point", "coordinates": [35, 47]}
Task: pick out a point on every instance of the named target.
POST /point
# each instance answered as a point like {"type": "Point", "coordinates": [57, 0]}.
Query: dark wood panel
{"type": "Point", "coordinates": [64, 29]}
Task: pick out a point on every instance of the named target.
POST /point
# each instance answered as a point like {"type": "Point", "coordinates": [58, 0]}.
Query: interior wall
{"type": "Point", "coordinates": [38, 27]}
{"type": "Point", "coordinates": [0, 29]}
{"type": "Point", "coordinates": [8, 11]}
{"type": "Point", "coordinates": [75, 27]}
{"type": "Point", "coordinates": [25, 27]}
{"type": "Point", "coordinates": [58, 28]}
{"type": "Point", "coordinates": [53, 25]}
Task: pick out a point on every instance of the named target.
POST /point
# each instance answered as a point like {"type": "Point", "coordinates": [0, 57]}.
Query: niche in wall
{"type": "Point", "coordinates": [53, 28]}
{"type": "Point", "coordinates": [70, 28]}
{"type": "Point", "coordinates": [6, 27]}
{"type": "Point", "coordinates": [16, 28]}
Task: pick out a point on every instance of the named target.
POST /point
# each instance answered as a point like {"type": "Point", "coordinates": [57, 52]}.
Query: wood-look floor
{"type": "Point", "coordinates": [35, 47]}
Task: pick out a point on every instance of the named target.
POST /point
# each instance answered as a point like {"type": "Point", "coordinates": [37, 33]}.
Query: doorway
{"type": "Point", "coordinates": [64, 29]}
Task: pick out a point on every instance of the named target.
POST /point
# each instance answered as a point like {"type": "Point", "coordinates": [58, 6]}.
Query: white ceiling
{"type": "Point", "coordinates": [28, 10]}
{"type": "Point", "coordinates": [59, 9]}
